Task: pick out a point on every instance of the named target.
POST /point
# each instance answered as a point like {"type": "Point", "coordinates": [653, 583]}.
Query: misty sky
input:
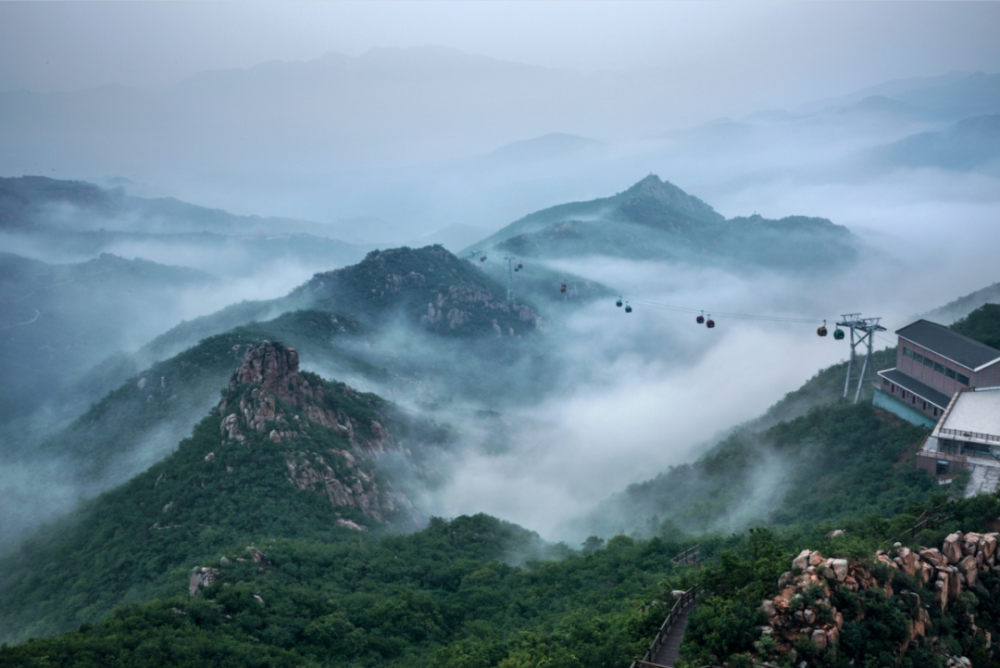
{"type": "Point", "coordinates": [743, 55]}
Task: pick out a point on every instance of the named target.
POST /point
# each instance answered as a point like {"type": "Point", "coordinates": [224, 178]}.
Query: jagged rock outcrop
{"type": "Point", "coordinates": [269, 395]}
{"type": "Point", "coordinates": [802, 608]}
{"type": "Point", "coordinates": [272, 372]}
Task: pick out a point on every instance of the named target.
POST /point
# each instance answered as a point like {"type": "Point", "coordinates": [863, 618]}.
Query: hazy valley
{"type": "Point", "coordinates": [401, 359]}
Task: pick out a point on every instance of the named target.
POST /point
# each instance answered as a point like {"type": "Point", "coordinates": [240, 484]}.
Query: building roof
{"type": "Point", "coordinates": [939, 399]}
{"type": "Point", "coordinates": [949, 343]}
{"type": "Point", "coordinates": [976, 413]}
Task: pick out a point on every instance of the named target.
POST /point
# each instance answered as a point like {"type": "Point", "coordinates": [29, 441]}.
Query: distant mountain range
{"type": "Point", "coordinates": [655, 219]}
{"type": "Point", "coordinates": [970, 144]}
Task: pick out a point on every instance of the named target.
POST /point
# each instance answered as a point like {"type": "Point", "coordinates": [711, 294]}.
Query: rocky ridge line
{"type": "Point", "coordinates": [802, 607]}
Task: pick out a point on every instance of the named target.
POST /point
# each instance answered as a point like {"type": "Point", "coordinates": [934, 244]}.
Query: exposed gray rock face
{"type": "Point", "coordinates": [276, 399]}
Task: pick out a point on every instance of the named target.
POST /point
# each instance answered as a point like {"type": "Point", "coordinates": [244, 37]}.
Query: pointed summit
{"type": "Point", "coordinates": [667, 193]}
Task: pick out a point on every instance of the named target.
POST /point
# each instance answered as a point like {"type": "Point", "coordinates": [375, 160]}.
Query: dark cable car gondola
{"type": "Point", "coordinates": [482, 258]}
{"type": "Point", "coordinates": [710, 323]}
{"type": "Point", "coordinates": [628, 309]}
{"type": "Point", "coordinates": [700, 319]}
{"type": "Point", "coordinates": [838, 334]}
{"type": "Point", "coordinates": [562, 288]}
{"type": "Point", "coordinates": [619, 302]}
{"type": "Point", "coordinates": [822, 330]}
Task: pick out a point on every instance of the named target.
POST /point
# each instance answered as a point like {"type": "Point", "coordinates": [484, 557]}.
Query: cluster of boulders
{"type": "Point", "coordinates": [802, 607]}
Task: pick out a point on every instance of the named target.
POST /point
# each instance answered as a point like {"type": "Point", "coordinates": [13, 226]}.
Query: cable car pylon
{"type": "Point", "coordinates": [862, 331]}
{"type": "Point", "coordinates": [510, 277]}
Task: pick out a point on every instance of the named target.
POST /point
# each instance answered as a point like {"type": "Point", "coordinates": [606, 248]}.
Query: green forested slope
{"type": "Point", "coordinates": [285, 475]}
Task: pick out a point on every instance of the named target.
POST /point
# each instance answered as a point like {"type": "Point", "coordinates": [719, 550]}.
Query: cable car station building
{"type": "Point", "coordinates": [934, 364]}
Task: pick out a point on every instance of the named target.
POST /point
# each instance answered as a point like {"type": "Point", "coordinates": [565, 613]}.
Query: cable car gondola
{"type": "Point", "coordinates": [710, 323]}
{"type": "Point", "coordinates": [822, 330]}
{"type": "Point", "coordinates": [562, 288]}
{"type": "Point", "coordinates": [838, 334]}
{"type": "Point", "coordinates": [619, 302]}
{"type": "Point", "coordinates": [628, 309]}
{"type": "Point", "coordinates": [700, 320]}
{"type": "Point", "coordinates": [482, 258]}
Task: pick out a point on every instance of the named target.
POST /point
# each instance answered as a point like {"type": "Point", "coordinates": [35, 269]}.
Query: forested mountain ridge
{"type": "Point", "coordinates": [39, 201]}
{"type": "Point", "coordinates": [298, 457]}
{"type": "Point", "coordinates": [655, 219]}
{"type": "Point", "coordinates": [52, 329]}
{"type": "Point", "coordinates": [430, 286]}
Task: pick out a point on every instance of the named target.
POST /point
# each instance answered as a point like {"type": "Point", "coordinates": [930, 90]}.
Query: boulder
{"type": "Point", "coordinates": [907, 561]}
{"type": "Point", "coordinates": [801, 562]}
{"type": "Point", "coordinates": [954, 584]}
{"type": "Point", "coordinates": [952, 548]}
{"type": "Point", "coordinates": [970, 543]}
{"type": "Point", "coordinates": [210, 457]}
{"type": "Point", "coordinates": [934, 557]}
{"type": "Point", "coordinates": [767, 607]}
{"type": "Point", "coordinates": [969, 568]}
{"type": "Point", "coordinates": [819, 638]}
{"type": "Point", "coordinates": [926, 572]}
{"type": "Point", "coordinates": [941, 590]}
{"type": "Point", "coordinates": [839, 568]}
{"type": "Point", "coordinates": [989, 544]}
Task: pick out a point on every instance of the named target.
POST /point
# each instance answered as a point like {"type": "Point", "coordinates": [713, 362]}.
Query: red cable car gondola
{"type": "Point", "coordinates": [710, 323]}
{"type": "Point", "coordinates": [700, 320]}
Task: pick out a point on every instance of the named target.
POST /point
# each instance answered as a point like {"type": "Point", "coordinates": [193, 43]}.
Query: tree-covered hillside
{"type": "Point", "coordinates": [656, 220]}
{"type": "Point", "coordinates": [297, 458]}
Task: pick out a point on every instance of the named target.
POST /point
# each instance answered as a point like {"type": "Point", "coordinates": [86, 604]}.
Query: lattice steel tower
{"type": "Point", "coordinates": [862, 332]}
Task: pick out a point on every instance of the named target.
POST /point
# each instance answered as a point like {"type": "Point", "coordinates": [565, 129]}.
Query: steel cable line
{"type": "Point", "coordinates": [724, 314]}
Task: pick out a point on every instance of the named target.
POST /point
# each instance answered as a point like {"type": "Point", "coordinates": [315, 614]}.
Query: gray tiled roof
{"type": "Point", "coordinates": [949, 343]}
{"type": "Point", "coordinates": [936, 397]}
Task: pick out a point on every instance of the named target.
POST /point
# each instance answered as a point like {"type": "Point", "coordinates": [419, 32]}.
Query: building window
{"type": "Point", "coordinates": [928, 361]}
{"type": "Point", "coordinates": [918, 358]}
{"type": "Point", "coordinates": [907, 353]}
{"type": "Point", "coordinates": [942, 467]}
{"type": "Point", "coordinates": [964, 380]}
{"type": "Point", "coordinates": [978, 448]}
{"type": "Point", "coordinates": [950, 373]}
{"type": "Point", "coordinates": [938, 367]}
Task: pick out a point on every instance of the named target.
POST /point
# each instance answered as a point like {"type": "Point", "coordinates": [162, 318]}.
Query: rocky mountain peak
{"type": "Point", "coordinates": [269, 396]}
{"type": "Point", "coordinates": [275, 368]}
{"type": "Point", "coordinates": [669, 194]}
{"type": "Point", "coordinates": [274, 396]}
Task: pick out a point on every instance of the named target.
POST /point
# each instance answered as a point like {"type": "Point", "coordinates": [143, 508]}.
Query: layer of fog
{"type": "Point", "coordinates": [648, 390]}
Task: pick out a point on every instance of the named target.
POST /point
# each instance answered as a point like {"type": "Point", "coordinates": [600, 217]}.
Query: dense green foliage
{"type": "Point", "coordinates": [837, 460]}
{"type": "Point", "coordinates": [126, 544]}
{"type": "Point", "coordinates": [983, 325]}
{"type": "Point", "coordinates": [443, 596]}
